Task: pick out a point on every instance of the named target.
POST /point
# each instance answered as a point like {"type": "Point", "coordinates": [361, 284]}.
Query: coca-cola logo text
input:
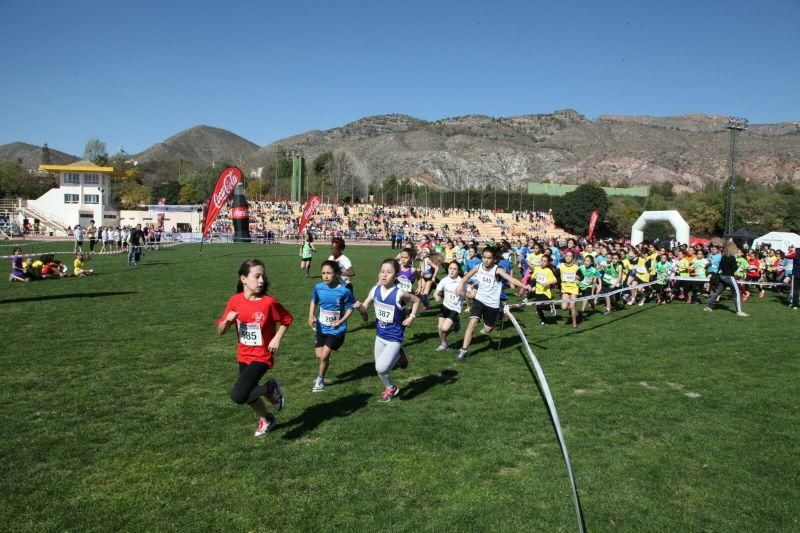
{"type": "Point", "coordinates": [312, 206]}
{"type": "Point", "coordinates": [230, 179]}
{"type": "Point", "coordinates": [240, 212]}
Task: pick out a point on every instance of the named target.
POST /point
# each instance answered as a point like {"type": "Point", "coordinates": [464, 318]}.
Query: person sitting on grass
{"type": "Point", "coordinates": [78, 265]}
{"type": "Point", "coordinates": [18, 272]}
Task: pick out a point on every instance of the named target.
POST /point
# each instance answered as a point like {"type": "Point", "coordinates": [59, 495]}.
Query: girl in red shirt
{"type": "Point", "coordinates": [256, 316]}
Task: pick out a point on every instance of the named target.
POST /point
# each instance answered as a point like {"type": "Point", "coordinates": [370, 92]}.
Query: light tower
{"type": "Point", "coordinates": [735, 125]}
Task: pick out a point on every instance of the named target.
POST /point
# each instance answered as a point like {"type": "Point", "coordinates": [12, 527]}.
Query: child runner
{"type": "Point", "coordinates": [391, 322]}
{"type": "Point", "coordinates": [662, 275]}
{"type": "Point", "coordinates": [612, 279]}
{"type": "Point", "coordinates": [408, 274]}
{"type": "Point", "coordinates": [335, 307]}
{"type": "Point", "coordinates": [305, 254]}
{"type": "Point", "coordinates": [545, 279]}
{"type": "Point", "coordinates": [261, 322]}
{"type": "Point", "coordinates": [568, 272]}
{"type": "Point", "coordinates": [486, 305]}
{"type": "Point", "coordinates": [429, 266]}
{"type": "Point", "coordinates": [587, 279]}
{"type": "Point", "coordinates": [451, 308]}
{"type": "Point", "coordinates": [17, 270]}
{"type": "Point", "coordinates": [337, 254]}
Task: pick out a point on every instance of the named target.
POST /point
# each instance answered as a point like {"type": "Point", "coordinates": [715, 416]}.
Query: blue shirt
{"type": "Point", "coordinates": [332, 303]}
{"type": "Point", "coordinates": [389, 314]}
{"type": "Point", "coordinates": [714, 260]}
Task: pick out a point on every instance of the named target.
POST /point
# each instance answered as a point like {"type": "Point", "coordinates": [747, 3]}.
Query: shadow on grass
{"type": "Point", "coordinates": [65, 296]}
{"type": "Point", "coordinates": [148, 263]}
{"type": "Point", "coordinates": [419, 338]}
{"type": "Point", "coordinates": [360, 372]}
{"type": "Point", "coordinates": [422, 385]}
{"type": "Point", "coordinates": [315, 415]}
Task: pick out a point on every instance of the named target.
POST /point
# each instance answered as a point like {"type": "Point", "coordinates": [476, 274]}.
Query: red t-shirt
{"type": "Point", "coordinates": [256, 324]}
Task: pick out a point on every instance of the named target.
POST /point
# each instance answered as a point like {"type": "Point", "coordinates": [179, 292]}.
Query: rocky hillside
{"type": "Point", "coordinates": [31, 155]}
{"type": "Point", "coordinates": [562, 147]}
{"type": "Point", "coordinates": [202, 145]}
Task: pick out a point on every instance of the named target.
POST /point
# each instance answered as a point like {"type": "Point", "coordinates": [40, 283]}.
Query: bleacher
{"type": "Point", "coordinates": [490, 229]}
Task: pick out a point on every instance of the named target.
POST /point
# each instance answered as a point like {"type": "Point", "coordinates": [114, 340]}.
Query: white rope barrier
{"type": "Point", "coordinates": [164, 244]}
{"type": "Point", "coordinates": [551, 409]}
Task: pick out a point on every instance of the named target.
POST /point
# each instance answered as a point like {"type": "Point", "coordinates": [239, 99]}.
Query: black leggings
{"type": "Point", "coordinates": [246, 389]}
{"type": "Point", "coordinates": [539, 311]}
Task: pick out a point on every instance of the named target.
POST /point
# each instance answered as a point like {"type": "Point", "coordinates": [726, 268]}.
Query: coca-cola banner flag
{"type": "Point", "coordinates": [592, 223]}
{"type": "Point", "coordinates": [309, 210]}
{"type": "Point", "coordinates": [227, 181]}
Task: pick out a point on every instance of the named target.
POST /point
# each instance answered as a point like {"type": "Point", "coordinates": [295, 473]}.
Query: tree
{"type": "Point", "coordinates": [253, 189]}
{"type": "Point", "coordinates": [573, 211]}
{"type": "Point", "coordinates": [704, 218]}
{"type": "Point", "coordinates": [47, 158]}
{"type": "Point", "coordinates": [95, 151]}
{"type": "Point", "coordinates": [168, 190]}
{"type": "Point", "coordinates": [341, 170]}
{"type": "Point", "coordinates": [136, 196]}
{"type": "Point", "coordinates": [189, 194]}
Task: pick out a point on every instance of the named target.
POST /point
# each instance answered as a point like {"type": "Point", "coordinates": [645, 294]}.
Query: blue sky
{"type": "Point", "coordinates": [134, 73]}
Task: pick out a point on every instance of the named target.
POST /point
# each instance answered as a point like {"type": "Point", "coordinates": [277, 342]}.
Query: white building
{"type": "Point", "coordinates": [83, 194]}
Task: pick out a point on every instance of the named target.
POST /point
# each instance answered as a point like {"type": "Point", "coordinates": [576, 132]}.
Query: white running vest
{"type": "Point", "coordinates": [488, 287]}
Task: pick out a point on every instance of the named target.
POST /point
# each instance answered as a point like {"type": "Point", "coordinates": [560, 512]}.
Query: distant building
{"type": "Point", "coordinates": [83, 194]}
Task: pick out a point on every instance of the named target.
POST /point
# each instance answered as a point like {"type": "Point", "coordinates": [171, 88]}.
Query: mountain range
{"type": "Point", "coordinates": [561, 147]}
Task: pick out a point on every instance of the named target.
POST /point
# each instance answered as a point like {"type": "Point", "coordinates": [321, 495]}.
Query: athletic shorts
{"type": "Point", "coordinates": [444, 312]}
{"type": "Point", "coordinates": [334, 342]}
{"type": "Point", "coordinates": [482, 311]}
{"type": "Point", "coordinates": [586, 292]}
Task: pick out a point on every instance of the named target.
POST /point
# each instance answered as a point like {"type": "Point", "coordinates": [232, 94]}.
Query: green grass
{"type": "Point", "coordinates": [116, 415]}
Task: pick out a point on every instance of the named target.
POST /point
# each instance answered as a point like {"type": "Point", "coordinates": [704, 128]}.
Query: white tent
{"type": "Point", "coordinates": [779, 240]}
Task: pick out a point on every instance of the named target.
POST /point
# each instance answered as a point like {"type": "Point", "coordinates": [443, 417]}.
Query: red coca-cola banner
{"type": "Point", "coordinates": [227, 181]}
{"type": "Point", "coordinates": [308, 211]}
{"type": "Point", "coordinates": [593, 223]}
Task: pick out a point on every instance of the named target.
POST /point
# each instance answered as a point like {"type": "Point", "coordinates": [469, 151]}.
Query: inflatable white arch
{"type": "Point", "coordinates": [673, 217]}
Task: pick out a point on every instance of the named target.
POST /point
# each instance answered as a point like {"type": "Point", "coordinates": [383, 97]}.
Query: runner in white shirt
{"type": "Point", "coordinates": [451, 308]}
{"type": "Point", "coordinates": [337, 254]}
{"type": "Point", "coordinates": [486, 305]}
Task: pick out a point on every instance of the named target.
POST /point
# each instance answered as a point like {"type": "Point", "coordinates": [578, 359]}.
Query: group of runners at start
{"type": "Point", "coordinates": [261, 322]}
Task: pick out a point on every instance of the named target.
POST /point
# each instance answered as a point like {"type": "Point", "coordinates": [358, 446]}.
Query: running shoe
{"type": "Point", "coordinates": [403, 361]}
{"type": "Point", "coordinates": [462, 354]}
{"type": "Point", "coordinates": [264, 425]}
{"type": "Point", "coordinates": [275, 394]}
{"type": "Point", "coordinates": [574, 326]}
{"type": "Point", "coordinates": [707, 309]}
{"type": "Point", "coordinates": [388, 394]}
{"type": "Point", "coordinates": [442, 347]}
{"type": "Point", "coordinates": [542, 323]}
{"type": "Point", "coordinates": [742, 313]}
{"type": "Point", "coordinates": [607, 311]}
{"type": "Point", "coordinates": [746, 296]}
{"type": "Point", "coordinates": [319, 385]}
{"type": "Point", "coordinates": [553, 311]}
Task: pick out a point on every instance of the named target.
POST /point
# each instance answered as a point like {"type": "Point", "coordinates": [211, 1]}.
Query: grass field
{"type": "Point", "coordinates": [116, 414]}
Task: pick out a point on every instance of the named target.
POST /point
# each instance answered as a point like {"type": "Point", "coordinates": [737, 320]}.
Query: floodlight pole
{"type": "Point", "coordinates": [735, 125]}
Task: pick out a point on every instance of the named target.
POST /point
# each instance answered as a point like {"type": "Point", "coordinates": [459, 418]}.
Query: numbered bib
{"type": "Point", "coordinates": [250, 334]}
{"type": "Point", "coordinates": [384, 312]}
{"type": "Point", "coordinates": [404, 284]}
{"type": "Point", "coordinates": [327, 318]}
{"type": "Point", "coordinates": [535, 261]}
{"type": "Point", "coordinates": [452, 299]}
{"type": "Point", "coordinates": [541, 278]}
{"type": "Point", "coordinates": [641, 269]}
{"type": "Point", "coordinates": [568, 277]}
{"type": "Point", "coordinates": [608, 278]}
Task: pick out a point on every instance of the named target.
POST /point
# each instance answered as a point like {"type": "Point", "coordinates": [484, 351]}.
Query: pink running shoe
{"type": "Point", "coordinates": [264, 425]}
{"type": "Point", "coordinates": [388, 394]}
{"type": "Point", "coordinates": [275, 394]}
{"type": "Point", "coordinates": [746, 296]}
